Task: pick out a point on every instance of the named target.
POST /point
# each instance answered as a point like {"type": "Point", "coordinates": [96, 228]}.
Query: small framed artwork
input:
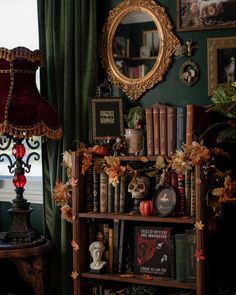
{"type": "Point", "coordinates": [151, 40]}
{"type": "Point", "coordinates": [107, 118]}
{"type": "Point", "coordinates": [203, 15]}
{"type": "Point", "coordinates": [164, 201]}
{"type": "Point", "coordinates": [221, 62]}
{"type": "Point", "coordinates": [189, 72]}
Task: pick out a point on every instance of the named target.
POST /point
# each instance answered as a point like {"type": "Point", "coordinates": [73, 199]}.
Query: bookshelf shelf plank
{"type": "Point", "coordinates": [139, 280]}
{"type": "Point", "coordinates": [129, 217]}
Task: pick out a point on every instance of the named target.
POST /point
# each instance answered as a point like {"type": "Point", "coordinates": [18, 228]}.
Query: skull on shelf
{"type": "Point", "coordinates": [139, 187]}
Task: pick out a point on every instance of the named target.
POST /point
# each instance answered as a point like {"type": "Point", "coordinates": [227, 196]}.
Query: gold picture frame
{"type": "Point", "coordinates": [205, 15]}
{"type": "Point", "coordinates": [221, 62]}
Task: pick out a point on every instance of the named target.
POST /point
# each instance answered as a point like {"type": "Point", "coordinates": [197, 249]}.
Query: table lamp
{"type": "Point", "coordinates": [23, 114]}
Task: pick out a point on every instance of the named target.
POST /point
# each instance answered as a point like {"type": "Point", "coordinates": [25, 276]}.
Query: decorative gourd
{"type": "Point", "coordinates": [146, 208]}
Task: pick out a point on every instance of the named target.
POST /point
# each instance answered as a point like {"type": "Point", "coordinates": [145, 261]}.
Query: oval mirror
{"type": "Point", "coordinates": [136, 46]}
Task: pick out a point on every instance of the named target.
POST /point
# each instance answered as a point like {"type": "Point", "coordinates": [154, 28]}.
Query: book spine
{"type": "Point", "coordinates": [149, 131]}
{"type": "Point", "coordinates": [192, 194]}
{"type": "Point", "coordinates": [171, 130]}
{"type": "Point", "coordinates": [163, 130]}
{"type": "Point", "coordinates": [89, 188]}
{"type": "Point", "coordinates": [103, 192]}
{"type": "Point", "coordinates": [189, 124]}
{"type": "Point", "coordinates": [190, 259]}
{"type": "Point", "coordinates": [121, 246]}
{"type": "Point", "coordinates": [117, 199]}
{"type": "Point", "coordinates": [188, 173]}
{"type": "Point", "coordinates": [180, 257]}
{"type": "Point", "coordinates": [181, 195]}
{"type": "Point", "coordinates": [122, 194]}
{"type": "Point", "coordinates": [110, 249]}
{"type": "Point", "coordinates": [116, 227]}
{"type": "Point", "coordinates": [156, 131]}
{"type": "Point", "coordinates": [180, 126]}
{"type": "Point", "coordinates": [110, 198]}
{"type": "Point", "coordinates": [95, 191]}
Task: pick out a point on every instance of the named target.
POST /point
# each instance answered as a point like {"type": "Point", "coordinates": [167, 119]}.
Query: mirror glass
{"type": "Point", "coordinates": [136, 46]}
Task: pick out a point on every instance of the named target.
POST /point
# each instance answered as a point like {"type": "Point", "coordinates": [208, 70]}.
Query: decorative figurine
{"type": "Point", "coordinates": [138, 187]}
{"type": "Point", "coordinates": [96, 250]}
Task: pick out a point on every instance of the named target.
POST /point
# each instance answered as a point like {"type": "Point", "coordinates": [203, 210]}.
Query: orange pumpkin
{"type": "Point", "coordinates": [146, 208]}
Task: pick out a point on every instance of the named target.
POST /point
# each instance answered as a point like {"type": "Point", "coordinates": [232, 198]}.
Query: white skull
{"type": "Point", "coordinates": [139, 187]}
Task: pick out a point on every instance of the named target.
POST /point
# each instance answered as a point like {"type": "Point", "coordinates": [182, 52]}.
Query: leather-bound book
{"type": "Point", "coordinates": [149, 131]}
{"type": "Point", "coordinates": [171, 130]}
{"type": "Point", "coordinates": [163, 130]}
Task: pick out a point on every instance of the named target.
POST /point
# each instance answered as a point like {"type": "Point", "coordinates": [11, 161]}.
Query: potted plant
{"type": "Point", "coordinates": [134, 135]}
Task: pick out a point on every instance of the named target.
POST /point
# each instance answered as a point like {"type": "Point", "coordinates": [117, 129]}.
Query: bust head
{"type": "Point", "coordinates": [96, 250]}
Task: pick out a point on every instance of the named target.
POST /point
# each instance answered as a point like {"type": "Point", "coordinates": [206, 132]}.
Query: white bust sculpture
{"type": "Point", "coordinates": [96, 250]}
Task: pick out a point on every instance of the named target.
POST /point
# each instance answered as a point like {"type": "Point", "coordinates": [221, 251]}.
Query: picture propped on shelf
{"type": "Point", "coordinates": [120, 47]}
{"type": "Point", "coordinates": [107, 118]}
{"type": "Point", "coordinates": [154, 251]}
{"type": "Point", "coordinates": [151, 40]}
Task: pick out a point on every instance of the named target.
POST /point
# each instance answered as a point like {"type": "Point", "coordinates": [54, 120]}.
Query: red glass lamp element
{"type": "Point", "coordinates": [23, 113]}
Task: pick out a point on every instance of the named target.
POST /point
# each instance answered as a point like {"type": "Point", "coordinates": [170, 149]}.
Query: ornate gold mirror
{"type": "Point", "coordinates": [136, 46]}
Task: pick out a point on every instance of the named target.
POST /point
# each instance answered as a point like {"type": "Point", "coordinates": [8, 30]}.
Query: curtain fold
{"type": "Point", "coordinates": [68, 38]}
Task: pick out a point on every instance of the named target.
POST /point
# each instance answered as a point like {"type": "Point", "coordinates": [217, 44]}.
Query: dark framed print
{"type": "Point", "coordinates": [221, 62]}
{"type": "Point", "coordinates": [203, 15]}
{"type": "Point", "coordinates": [107, 118]}
{"type": "Point", "coordinates": [164, 201]}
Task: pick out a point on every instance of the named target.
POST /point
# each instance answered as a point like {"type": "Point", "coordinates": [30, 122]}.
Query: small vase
{"type": "Point", "coordinates": [134, 141]}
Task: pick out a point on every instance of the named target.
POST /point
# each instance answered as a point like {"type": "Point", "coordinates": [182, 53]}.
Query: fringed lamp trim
{"type": "Point", "coordinates": [22, 53]}
{"type": "Point", "coordinates": [41, 129]}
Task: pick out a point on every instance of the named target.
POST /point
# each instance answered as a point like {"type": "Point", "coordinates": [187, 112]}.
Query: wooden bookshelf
{"type": "Point", "coordinates": [82, 219]}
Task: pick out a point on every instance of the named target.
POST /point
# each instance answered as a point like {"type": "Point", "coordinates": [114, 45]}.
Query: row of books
{"type": "Point", "coordinates": [103, 197]}
{"type": "Point", "coordinates": [96, 288]}
{"type": "Point", "coordinates": [158, 251]}
{"type": "Point", "coordinates": [168, 127]}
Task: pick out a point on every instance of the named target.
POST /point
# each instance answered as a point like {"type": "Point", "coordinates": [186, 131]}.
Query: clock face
{"type": "Point", "coordinates": [164, 201]}
{"type": "Point", "coordinates": [144, 51]}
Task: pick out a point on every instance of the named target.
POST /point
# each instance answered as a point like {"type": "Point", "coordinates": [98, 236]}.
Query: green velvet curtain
{"type": "Point", "coordinates": [68, 38]}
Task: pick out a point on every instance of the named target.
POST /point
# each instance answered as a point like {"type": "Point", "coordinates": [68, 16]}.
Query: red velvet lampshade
{"type": "Point", "coordinates": [23, 113]}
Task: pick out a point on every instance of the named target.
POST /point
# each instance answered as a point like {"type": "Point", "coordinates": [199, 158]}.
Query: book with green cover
{"type": "Point", "coordinates": [180, 257]}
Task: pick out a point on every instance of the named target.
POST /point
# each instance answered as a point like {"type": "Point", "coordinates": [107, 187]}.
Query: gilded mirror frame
{"type": "Point", "coordinates": [134, 88]}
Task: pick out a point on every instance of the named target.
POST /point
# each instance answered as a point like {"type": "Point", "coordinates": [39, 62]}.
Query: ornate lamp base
{"type": "Point", "coordinates": [20, 230]}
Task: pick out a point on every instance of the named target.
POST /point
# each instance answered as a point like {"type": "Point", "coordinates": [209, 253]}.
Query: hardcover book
{"type": "Point", "coordinates": [163, 130]}
{"type": "Point", "coordinates": [103, 192]}
{"type": "Point", "coordinates": [190, 258]}
{"type": "Point", "coordinates": [149, 131]}
{"type": "Point", "coordinates": [180, 126]}
{"type": "Point", "coordinates": [156, 130]}
{"type": "Point", "coordinates": [154, 251]}
{"type": "Point", "coordinates": [171, 130]}
{"type": "Point", "coordinates": [180, 256]}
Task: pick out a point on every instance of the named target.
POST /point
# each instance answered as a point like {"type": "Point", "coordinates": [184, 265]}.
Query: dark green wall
{"type": "Point", "coordinates": [171, 90]}
{"type": "Point", "coordinates": [36, 217]}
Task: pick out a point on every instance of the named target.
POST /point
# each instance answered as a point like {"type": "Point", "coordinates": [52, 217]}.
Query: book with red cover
{"type": "Point", "coordinates": [154, 253]}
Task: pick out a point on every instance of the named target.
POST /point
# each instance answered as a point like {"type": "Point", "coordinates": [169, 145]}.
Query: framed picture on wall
{"type": "Point", "coordinates": [107, 118]}
{"type": "Point", "coordinates": [221, 62]}
{"type": "Point", "coordinates": [203, 15]}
